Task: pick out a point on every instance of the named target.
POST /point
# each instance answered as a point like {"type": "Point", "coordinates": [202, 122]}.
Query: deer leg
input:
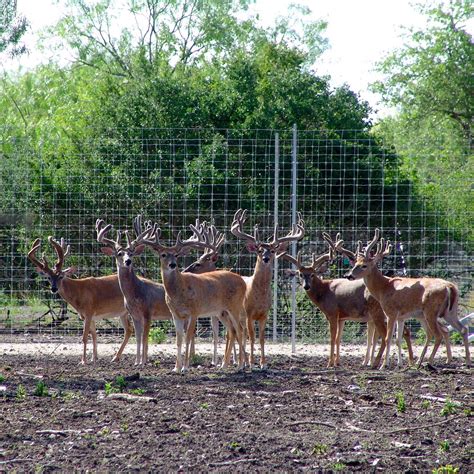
{"type": "Point", "coordinates": [179, 326]}
{"type": "Point", "coordinates": [400, 329]}
{"type": "Point", "coordinates": [85, 336]}
{"type": "Point", "coordinates": [388, 339]}
{"type": "Point", "coordinates": [370, 343]}
{"type": "Point", "coordinates": [215, 338]}
{"type": "Point", "coordinates": [93, 333]}
{"type": "Point", "coordinates": [146, 332]}
{"type": "Point", "coordinates": [251, 332]}
{"type": "Point", "coordinates": [340, 330]}
{"type": "Point", "coordinates": [381, 331]}
{"type": "Point", "coordinates": [138, 324]}
{"type": "Point", "coordinates": [333, 335]}
{"type": "Point", "coordinates": [190, 330]}
{"type": "Point", "coordinates": [428, 335]}
{"type": "Point", "coordinates": [261, 335]}
{"type": "Point", "coordinates": [406, 336]}
{"type": "Point", "coordinates": [127, 326]}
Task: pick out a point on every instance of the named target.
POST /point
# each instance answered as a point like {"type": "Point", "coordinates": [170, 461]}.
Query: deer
{"type": "Point", "coordinates": [258, 286]}
{"type": "Point", "coordinates": [144, 298]}
{"type": "Point", "coordinates": [93, 298]}
{"type": "Point", "coordinates": [342, 300]}
{"type": "Point", "coordinates": [189, 296]}
{"type": "Point", "coordinates": [424, 298]}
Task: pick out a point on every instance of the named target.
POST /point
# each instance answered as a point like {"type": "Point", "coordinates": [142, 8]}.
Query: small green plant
{"type": "Point", "coordinates": [137, 391]}
{"type": "Point", "coordinates": [420, 336]}
{"type": "Point", "coordinates": [401, 404]}
{"type": "Point", "coordinates": [41, 390]}
{"type": "Point", "coordinates": [339, 466]}
{"type": "Point", "coordinates": [104, 431]}
{"type": "Point", "coordinates": [197, 359]}
{"type": "Point", "coordinates": [456, 338]}
{"type": "Point", "coordinates": [20, 392]}
{"type": "Point", "coordinates": [120, 383]}
{"type": "Point", "coordinates": [234, 445]}
{"type": "Point", "coordinates": [319, 449]}
{"type": "Point", "coordinates": [124, 427]}
{"type": "Point", "coordinates": [157, 335]}
{"type": "Point", "coordinates": [2, 378]}
{"type": "Point", "coordinates": [467, 412]}
{"type": "Point", "coordinates": [185, 434]}
{"type": "Point", "coordinates": [449, 408]}
{"type": "Point", "coordinates": [444, 446]}
{"type": "Point", "coordinates": [448, 469]}
{"type": "Point", "coordinates": [204, 406]}
{"type": "Point", "coordinates": [425, 404]}
{"type": "Point", "coordinates": [109, 388]}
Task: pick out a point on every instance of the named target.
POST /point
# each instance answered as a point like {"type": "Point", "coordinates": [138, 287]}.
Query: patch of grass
{"type": "Point", "coordinates": [109, 388]}
{"type": "Point", "coordinates": [105, 431]}
{"type": "Point", "coordinates": [234, 445]}
{"type": "Point", "coordinates": [41, 390]}
{"type": "Point", "coordinates": [448, 469]}
{"type": "Point", "coordinates": [456, 338]}
{"type": "Point", "coordinates": [204, 406]}
{"type": "Point", "coordinates": [425, 404]}
{"type": "Point", "coordinates": [420, 337]}
{"type": "Point", "coordinates": [2, 378]}
{"type": "Point", "coordinates": [319, 449]}
{"type": "Point", "coordinates": [157, 335]}
{"type": "Point", "coordinates": [20, 392]}
{"type": "Point", "coordinates": [197, 359]}
{"type": "Point", "coordinates": [448, 409]}
{"type": "Point", "coordinates": [137, 391]}
{"type": "Point", "coordinates": [444, 446]}
{"type": "Point", "coordinates": [117, 386]}
{"type": "Point", "coordinates": [339, 466]}
{"type": "Point", "coordinates": [401, 404]}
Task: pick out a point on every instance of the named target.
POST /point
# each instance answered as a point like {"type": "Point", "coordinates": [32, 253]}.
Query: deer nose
{"type": "Point", "coordinates": [266, 259]}
{"type": "Point", "coordinates": [306, 286]}
{"type": "Point", "coordinates": [54, 289]}
{"type": "Point", "coordinates": [128, 262]}
{"type": "Point", "coordinates": [172, 265]}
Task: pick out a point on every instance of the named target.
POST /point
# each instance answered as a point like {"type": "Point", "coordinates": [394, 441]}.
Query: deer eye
{"type": "Point", "coordinates": [364, 266]}
{"type": "Point", "coordinates": [163, 255]}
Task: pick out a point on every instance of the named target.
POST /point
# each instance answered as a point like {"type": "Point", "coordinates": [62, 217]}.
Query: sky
{"type": "Point", "coordinates": [360, 33]}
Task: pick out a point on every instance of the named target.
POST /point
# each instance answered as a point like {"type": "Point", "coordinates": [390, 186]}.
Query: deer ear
{"type": "Point", "coordinates": [70, 270]}
{"type": "Point", "coordinates": [290, 273]}
{"type": "Point", "coordinates": [139, 249]}
{"type": "Point", "coordinates": [107, 251]}
{"type": "Point", "coordinates": [251, 247]}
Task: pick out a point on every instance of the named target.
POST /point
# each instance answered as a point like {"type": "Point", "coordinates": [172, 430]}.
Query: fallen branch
{"type": "Point", "coordinates": [11, 461]}
{"type": "Point", "coordinates": [58, 432]}
{"type": "Point", "coordinates": [129, 397]}
{"type": "Point", "coordinates": [230, 463]}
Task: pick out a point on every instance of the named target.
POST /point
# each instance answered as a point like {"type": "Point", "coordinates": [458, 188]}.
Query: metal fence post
{"type": "Point", "coordinates": [293, 245]}
{"type": "Point", "coordinates": [275, 214]}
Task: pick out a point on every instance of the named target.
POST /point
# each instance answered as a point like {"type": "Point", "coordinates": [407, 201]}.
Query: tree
{"type": "Point", "coordinates": [12, 28]}
{"type": "Point", "coordinates": [430, 80]}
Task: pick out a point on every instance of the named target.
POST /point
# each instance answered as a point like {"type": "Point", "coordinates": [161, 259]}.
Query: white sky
{"type": "Point", "coordinates": [360, 33]}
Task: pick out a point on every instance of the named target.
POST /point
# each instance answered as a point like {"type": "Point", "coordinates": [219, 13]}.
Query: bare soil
{"type": "Point", "coordinates": [295, 416]}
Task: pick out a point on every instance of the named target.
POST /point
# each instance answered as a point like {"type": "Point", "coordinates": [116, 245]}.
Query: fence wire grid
{"type": "Point", "coordinates": [346, 181]}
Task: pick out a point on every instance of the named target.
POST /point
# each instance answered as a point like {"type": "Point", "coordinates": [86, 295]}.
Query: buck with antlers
{"type": "Point", "coordinates": [341, 300]}
{"type": "Point", "coordinates": [258, 292]}
{"type": "Point", "coordinates": [93, 298]}
{"type": "Point", "coordinates": [189, 296]}
{"type": "Point", "coordinates": [144, 298]}
{"type": "Point", "coordinates": [401, 298]}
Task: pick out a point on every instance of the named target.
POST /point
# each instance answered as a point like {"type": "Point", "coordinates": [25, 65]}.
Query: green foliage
{"type": "Point", "coordinates": [41, 390]}
{"type": "Point", "coordinates": [12, 28]}
{"type": "Point", "coordinates": [456, 338]}
{"type": "Point", "coordinates": [117, 386]}
{"type": "Point", "coordinates": [447, 469]}
{"type": "Point", "coordinates": [21, 392]}
{"type": "Point", "coordinates": [401, 404]}
{"type": "Point", "coordinates": [449, 408]}
{"type": "Point", "coordinates": [319, 449]}
{"type": "Point", "coordinates": [157, 335]}
{"type": "Point", "coordinates": [2, 378]}
{"type": "Point", "coordinates": [444, 446]}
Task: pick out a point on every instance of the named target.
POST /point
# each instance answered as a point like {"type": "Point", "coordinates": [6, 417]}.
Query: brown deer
{"type": "Point", "coordinates": [219, 293]}
{"type": "Point", "coordinates": [400, 298]}
{"type": "Point", "coordinates": [342, 300]}
{"type": "Point", "coordinates": [93, 298]}
{"type": "Point", "coordinates": [258, 296]}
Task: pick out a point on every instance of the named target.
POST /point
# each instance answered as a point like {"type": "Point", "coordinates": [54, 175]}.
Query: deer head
{"type": "Point", "coordinates": [55, 274]}
{"type": "Point", "coordinates": [275, 246]}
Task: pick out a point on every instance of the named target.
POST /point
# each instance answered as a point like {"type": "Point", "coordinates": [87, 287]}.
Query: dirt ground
{"type": "Point", "coordinates": [56, 415]}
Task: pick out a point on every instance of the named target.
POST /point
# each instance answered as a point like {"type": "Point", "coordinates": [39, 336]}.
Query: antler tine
{"type": "Point", "coordinates": [359, 248]}
{"type": "Point", "coordinates": [318, 261]}
{"type": "Point", "coordinates": [383, 248]}
{"type": "Point", "coordinates": [58, 265]}
{"type": "Point", "coordinates": [32, 254]}
{"type": "Point", "coordinates": [297, 232]}
{"type": "Point", "coordinates": [215, 239]}
{"type": "Point", "coordinates": [102, 230]}
{"type": "Point", "coordinates": [338, 246]}
{"type": "Point", "coordinates": [141, 235]}
{"type": "Point", "coordinates": [295, 261]}
{"type": "Point", "coordinates": [66, 248]}
{"type": "Point", "coordinates": [371, 244]}
{"type": "Point", "coordinates": [237, 226]}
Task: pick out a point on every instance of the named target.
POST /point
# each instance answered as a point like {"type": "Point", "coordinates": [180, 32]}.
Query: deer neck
{"type": "Point", "coordinates": [67, 289]}
{"type": "Point", "coordinates": [262, 274]}
{"type": "Point", "coordinates": [172, 281]}
{"type": "Point", "coordinates": [128, 280]}
{"type": "Point", "coordinates": [376, 283]}
{"type": "Point", "coordinates": [317, 289]}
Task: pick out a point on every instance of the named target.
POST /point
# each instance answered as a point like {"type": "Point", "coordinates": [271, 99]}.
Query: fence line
{"type": "Point", "coordinates": [345, 181]}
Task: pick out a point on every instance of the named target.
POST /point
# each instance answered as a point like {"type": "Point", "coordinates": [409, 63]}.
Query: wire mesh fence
{"type": "Point", "coordinates": [346, 181]}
